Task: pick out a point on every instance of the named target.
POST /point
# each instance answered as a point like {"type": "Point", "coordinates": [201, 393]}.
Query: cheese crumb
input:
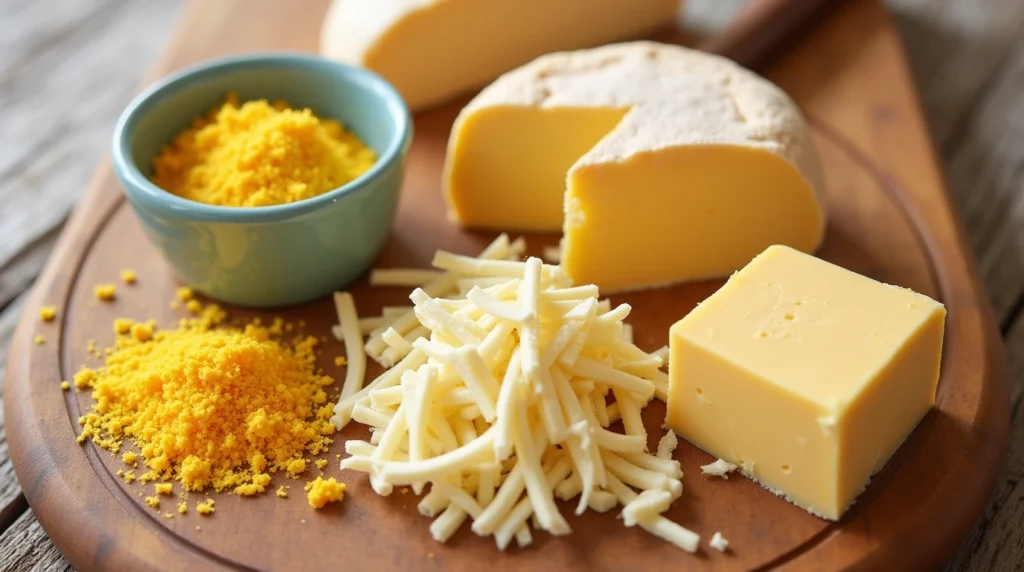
{"type": "Point", "coordinates": [163, 488]}
{"type": "Point", "coordinates": [153, 502]}
{"type": "Point", "coordinates": [142, 332]}
{"type": "Point", "coordinates": [47, 313]}
{"type": "Point", "coordinates": [183, 509]}
{"type": "Point", "coordinates": [194, 306]}
{"type": "Point", "coordinates": [260, 482]}
{"type": "Point", "coordinates": [206, 507]}
{"type": "Point", "coordinates": [39, 339]}
{"type": "Point", "coordinates": [184, 293]}
{"type": "Point", "coordinates": [130, 459]}
{"type": "Point", "coordinates": [122, 326]}
{"type": "Point", "coordinates": [282, 491]}
{"type": "Point", "coordinates": [296, 467]}
{"type": "Point", "coordinates": [65, 385]}
{"type": "Point", "coordinates": [128, 276]}
{"type": "Point", "coordinates": [105, 292]}
{"type": "Point", "coordinates": [340, 361]}
{"type": "Point", "coordinates": [718, 542]}
{"type": "Point", "coordinates": [129, 477]}
{"type": "Point", "coordinates": [321, 463]}
{"type": "Point", "coordinates": [719, 468]}
{"type": "Point", "coordinates": [667, 445]}
{"type": "Point", "coordinates": [321, 492]}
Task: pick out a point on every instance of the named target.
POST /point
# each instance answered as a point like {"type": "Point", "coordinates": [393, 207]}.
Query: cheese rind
{"type": "Point", "coordinates": [434, 50]}
{"type": "Point", "coordinates": [634, 148]}
{"type": "Point", "coordinates": [805, 374]}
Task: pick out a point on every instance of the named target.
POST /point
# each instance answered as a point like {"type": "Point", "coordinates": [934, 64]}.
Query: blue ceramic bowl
{"type": "Point", "coordinates": [275, 255]}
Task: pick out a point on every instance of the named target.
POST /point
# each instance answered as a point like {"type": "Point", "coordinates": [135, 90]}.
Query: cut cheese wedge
{"type": "Point", "coordinates": [660, 164]}
{"type": "Point", "coordinates": [433, 50]}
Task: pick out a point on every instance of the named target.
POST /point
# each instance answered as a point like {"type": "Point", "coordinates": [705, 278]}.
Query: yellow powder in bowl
{"type": "Point", "coordinates": [211, 406]}
{"type": "Point", "coordinates": [257, 154]}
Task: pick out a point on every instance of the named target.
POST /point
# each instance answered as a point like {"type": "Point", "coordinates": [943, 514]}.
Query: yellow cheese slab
{"type": "Point", "coordinates": [434, 50]}
{"type": "Point", "coordinates": [806, 375]}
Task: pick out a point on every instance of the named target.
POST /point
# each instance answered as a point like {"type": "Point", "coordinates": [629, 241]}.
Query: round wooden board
{"type": "Point", "coordinates": [911, 516]}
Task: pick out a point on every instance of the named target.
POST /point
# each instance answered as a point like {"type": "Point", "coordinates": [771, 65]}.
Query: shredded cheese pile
{"type": "Point", "coordinates": [257, 154]}
{"type": "Point", "coordinates": [505, 383]}
{"type": "Point", "coordinates": [209, 406]}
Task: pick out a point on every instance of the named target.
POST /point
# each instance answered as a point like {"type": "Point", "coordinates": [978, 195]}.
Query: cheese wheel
{"type": "Point", "coordinates": [660, 164]}
{"type": "Point", "coordinates": [434, 50]}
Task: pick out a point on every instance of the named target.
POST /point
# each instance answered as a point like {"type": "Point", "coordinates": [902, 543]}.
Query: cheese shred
{"type": "Point", "coordinates": [497, 403]}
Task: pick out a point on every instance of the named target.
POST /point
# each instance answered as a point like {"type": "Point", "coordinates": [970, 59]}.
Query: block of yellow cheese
{"type": "Point", "coordinates": [660, 164]}
{"type": "Point", "coordinates": [806, 375]}
{"type": "Point", "coordinates": [434, 50]}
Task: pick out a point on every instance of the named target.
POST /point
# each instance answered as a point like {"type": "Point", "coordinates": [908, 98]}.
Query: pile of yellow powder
{"type": "Point", "coordinates": [209, 405]}
{"type": "Point", "coordinates": [258, 154]}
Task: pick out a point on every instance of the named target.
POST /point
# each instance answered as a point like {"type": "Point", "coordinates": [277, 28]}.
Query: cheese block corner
{"type": "Point", "coordinates": [658, 163]}
{"type": "Point", "coordinates": [807, 375]}
{"type": "Point", "coordinates": [434, 50]}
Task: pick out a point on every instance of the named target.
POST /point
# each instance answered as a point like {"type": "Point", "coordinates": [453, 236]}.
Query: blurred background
{"type": "Point", "coordinates": [68, 67]}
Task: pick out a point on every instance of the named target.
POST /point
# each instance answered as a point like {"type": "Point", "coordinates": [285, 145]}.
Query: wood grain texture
{"type": "Point", "coordinates": [958, 49]}
{"type": "Point", "coordinates": [886, 224]}
{"type": "Point", "coordinates": [25, 547]}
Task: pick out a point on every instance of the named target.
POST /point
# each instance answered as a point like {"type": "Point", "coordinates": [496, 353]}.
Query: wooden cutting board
{"type": "Point", "coordinates": [890, 219]}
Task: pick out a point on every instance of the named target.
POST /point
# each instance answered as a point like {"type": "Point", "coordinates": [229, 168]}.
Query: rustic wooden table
{"type": "Point", "coordinates": [67, 67]}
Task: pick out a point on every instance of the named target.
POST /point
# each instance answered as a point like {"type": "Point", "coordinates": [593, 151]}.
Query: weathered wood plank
{"type": "Point", "coordinates": [67, 69]}
{"type": "Point", "coordinates": [955, 49]}
{"type": "Point", "coordinates": [997, 541]}
{"type": "Point", "coordinates": [986, 175]}
{"type": "Point", "coordinates": [24, 547]}
{"type": "Point", "coordinates": [12, 503]}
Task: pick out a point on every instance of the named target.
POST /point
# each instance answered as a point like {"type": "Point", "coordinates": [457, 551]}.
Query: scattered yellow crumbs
{"type": "Point", "coordinates": [168, 515]}
{"type": "Point", "coordinates": [105, 292]}
{"type": "Point", "coordinates": [282, 491]}
{"type": "Point", "coordinates": [183, 509]}
{"type": "Point", "coordinates": [194, 306]}
{"type": "Point", "coordinates": [65, 385]}
{"type": "Point", "coordinates": [163, 488]}
{"type": "Point", "coordinates": [296, 467]}
{"type": "Point", "coordinates": [259, 154]}
{"type": "Point", "coordinates": [143, 332]}
{"type": "Point", "coordinates": [206, 507]}
{"type": "Point", "coordinates": [128, 276]}
{"type": "Point", "coordinates": [340, 361]}
{"type": "Point", "coordinates": [153, 502]}
{"type": "Point", "coordinates": [129, 477]}
{"type": "Point", "coordinates": [84, 378]}
{"type": "Point", "coordinates": [184, 293]}
{"type": "Point", "coordinates": [131, 459]}
{"type": "Point", "coordinates": [122, 326]}
{"type": "Point", "coordinates": [321, 463]}
{"type": "Point", "coordinates": [320, 492]}
{"type": "Point", "coordinates": [39, 339]}
{"type": "Point", "coordinates": [209, 405]}
{"type": "Point", "coordinates": [47, 313]}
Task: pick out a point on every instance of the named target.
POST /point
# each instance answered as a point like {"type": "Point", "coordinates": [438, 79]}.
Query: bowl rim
{"type": "Point", "coordinates": [139, 188]}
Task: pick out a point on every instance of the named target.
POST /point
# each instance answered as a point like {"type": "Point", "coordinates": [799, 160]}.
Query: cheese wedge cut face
{"type": "Point", "coordinates": [434, 50]}
{"type": "Point", "coordinates": [660, 164]}
{"type": "Point", "coordinates": [806, 375]}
